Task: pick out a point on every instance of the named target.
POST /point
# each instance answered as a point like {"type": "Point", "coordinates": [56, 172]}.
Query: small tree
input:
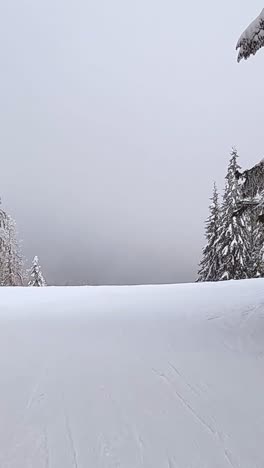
{"type": "Point", "coordinates": [36, 276]}
{"type": "Point", "coordinates": [209, 265]}
{"type": "Point", "coordinates": [233, 240]}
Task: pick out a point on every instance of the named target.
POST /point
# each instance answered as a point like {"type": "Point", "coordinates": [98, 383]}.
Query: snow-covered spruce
{"type": "Point", "coordinates": [209, 265]}
{"type": "Point", "coordinates": [232, 242]}
{"type": "Point", "coordinates": [252, 38]}
{"type": "Point", "coordinates": [36, 276]}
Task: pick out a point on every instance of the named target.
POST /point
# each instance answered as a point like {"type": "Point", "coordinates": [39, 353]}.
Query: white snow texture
{"type": "Point", "coordinates": [132, 377]}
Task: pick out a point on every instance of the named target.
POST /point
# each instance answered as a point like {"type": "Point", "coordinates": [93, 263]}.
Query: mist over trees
{"type": "Point", "coordinates": [234, 238]}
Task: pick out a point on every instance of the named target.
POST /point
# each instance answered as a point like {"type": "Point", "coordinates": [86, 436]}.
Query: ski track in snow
{"type": "Point", "coordinates": [185, 403]}
{"type": "Point", "coordinates": [35, 391]}
{"type": "Point", "coordinates": [133, 377]}
{"type": "Point", "coordinates": [140, 444]}
{"type": "Point", "coordinates": [183, 379]}
{"type": "Point", "coordinates": [72, 445]}
{"type": "Point", "coordinates": [196, 416]}
{"type": "Point", "coordinates": [229, 459]}
{"type": "Point", "coordinates": [46, 448]}
{"type": "Point", "coordinates": [69, 433]}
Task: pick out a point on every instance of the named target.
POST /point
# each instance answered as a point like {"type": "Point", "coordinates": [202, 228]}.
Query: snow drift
{"type": "Point", "coordinates": [130, 377]}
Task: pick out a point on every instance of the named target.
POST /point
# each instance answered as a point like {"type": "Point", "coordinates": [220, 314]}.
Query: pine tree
{"type": "Point", "coordinates": [36, 276]}
{"type": "Point", "coordinates": [233, 239]}
{"type": "Point", "coordinates": [209, 265]}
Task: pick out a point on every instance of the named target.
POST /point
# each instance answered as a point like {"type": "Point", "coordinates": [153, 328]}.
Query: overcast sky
{"type": "Point", "coordinates": [116, 117]}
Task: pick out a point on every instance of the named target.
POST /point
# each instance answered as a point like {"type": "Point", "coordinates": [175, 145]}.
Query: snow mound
{"type": "Point", "coordinates": [132, 377]}
{"type": "Point", "coordinates": [252, 38]}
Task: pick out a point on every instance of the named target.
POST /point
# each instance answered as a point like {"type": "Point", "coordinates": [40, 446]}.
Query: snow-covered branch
{"type": "Point", "coordinates": [252, 38]}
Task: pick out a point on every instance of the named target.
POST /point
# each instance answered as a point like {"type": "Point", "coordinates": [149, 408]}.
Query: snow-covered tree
{"type": "Point", "coordinates": [252, 38]}
{"type": "Point", "coordinates": [3, 243]}
{"type": "Point", "coordinates": [255, 265]}
{"type": "Point", "coordinates": [209, 265]}
{"type": "Point", "coordinates": [252, 190]}
{"type": "Point", "coordinates": [12, 264]}
{"type": "Point", "coordinates": [36, 276]}
{"type": "Point", "coordinates": [233, 240]}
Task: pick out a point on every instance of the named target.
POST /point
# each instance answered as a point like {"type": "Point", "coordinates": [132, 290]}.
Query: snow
{"type": "Point", "coordinates": [131, 377]}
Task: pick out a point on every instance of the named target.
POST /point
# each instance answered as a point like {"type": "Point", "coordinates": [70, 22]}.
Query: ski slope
{"type": "Point", "coordinates": [132, 377]}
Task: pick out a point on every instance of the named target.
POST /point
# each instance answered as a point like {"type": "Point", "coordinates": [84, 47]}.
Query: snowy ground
{"type": "Point", "coordinates": [153, 377]}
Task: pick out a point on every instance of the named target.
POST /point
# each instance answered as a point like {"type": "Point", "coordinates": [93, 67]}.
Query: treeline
{"type": "Point", "coordinates": [12, 263]}
{"type": "Point", "coordinates": [234, 243]}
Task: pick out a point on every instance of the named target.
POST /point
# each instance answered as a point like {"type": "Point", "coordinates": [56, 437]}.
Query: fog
{"type": "Point", "coordinates": [116, 118]}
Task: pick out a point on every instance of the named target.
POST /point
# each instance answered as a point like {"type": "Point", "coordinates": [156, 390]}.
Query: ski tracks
{"type": "Point", "coordinates": [37, 394]}
{"type": "Point", "coordinates": [141, 447]}
{"type": "Point", "coordinates": [69, 433]}
{"type": "Point", "coordinates": [184, 402]}
{"type": "Point", "coordinates": [179, 374]}
{"type": "Point", "coordinates": [199, 419]}
{"type": "Point", "coordinates": [71, 441]}
{"type": "Point", "coordinates": [129, 428]}
{"type": "Point", "coordinates": [46, 448]}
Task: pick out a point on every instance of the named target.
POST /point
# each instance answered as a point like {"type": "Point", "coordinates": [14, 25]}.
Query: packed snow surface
{"type": "Point", "coordinates": [132, 377]}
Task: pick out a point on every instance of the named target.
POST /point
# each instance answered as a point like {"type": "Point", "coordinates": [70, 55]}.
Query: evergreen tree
{"type": "Point", "coordinates": [209, 265]}
{"type": "Point", "coordinates": [36, 276]}
{"type": "Point", "coordinates": [233, 239]}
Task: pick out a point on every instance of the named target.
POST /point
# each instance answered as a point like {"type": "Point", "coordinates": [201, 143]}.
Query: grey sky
{"type": "Point", "coordinates": [116, 117]}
